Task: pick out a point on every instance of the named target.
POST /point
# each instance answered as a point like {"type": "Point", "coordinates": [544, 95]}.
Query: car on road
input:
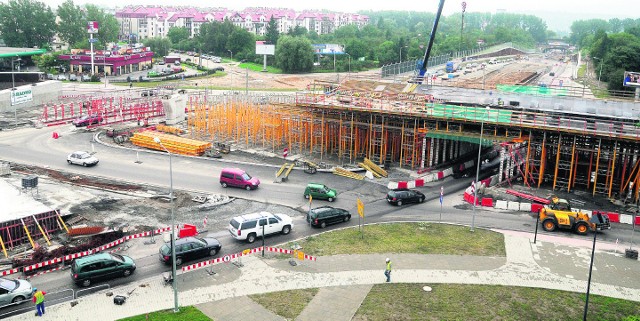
{"type": "Point", "coordinates": [73, 77]}
{"type": "Point", "coordinates": [86, 120]}
{"type": "Point", "coordinates": [160, 62]}
{"type": "Point", "coordinates": [238, 178]}
{"type": "Point", "coordinates": [101, 266]}
{"type": "Point", "coordinates": [249, 226]}
{"type": "Point", "coordinates": [320, 191]}
{"type": "Point", "coordinates": [148, 93]}
{"type": "Point", "coordinates": [218, 69]}
{"type": "Point", "coordinates": [190, 248]}
{"type": "Point", "coordinates": [85, 78]}
{"type": "Point", "coordinates": [325, 215]}
{"type": "Point", "coordinates": [14, 291]}
{"type": "Point", "coordinates": [82, 158]}
{"type": "Point", "coordinates": [404, 196]}
{"type": "Point", "coordinates": [61, 77]}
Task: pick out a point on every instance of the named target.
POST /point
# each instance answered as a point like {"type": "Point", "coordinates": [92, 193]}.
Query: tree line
{"type": "Point", "coordinates": [389, 37]}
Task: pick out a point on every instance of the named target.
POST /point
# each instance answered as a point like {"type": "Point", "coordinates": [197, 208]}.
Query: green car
{"type": "Point", "coordinates": [152, 73]}
{"type": "Point", "coordinates": [320, 191]}
{"type": "Point", "coordinates": [102, 266]}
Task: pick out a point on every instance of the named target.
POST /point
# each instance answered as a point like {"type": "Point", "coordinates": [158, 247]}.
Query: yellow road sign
{"type": "Point", "coordinates": [360, 208]}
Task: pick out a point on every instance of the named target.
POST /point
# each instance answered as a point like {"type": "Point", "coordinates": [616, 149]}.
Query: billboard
{"type": "Point", "coordinates": [631, 79]}
{"type": "Point", "coordinates": [262, 48]}
{"type": "Point", "coordinates": [328, 49]}
{"type": "Point", "coordinates": [92, 27]}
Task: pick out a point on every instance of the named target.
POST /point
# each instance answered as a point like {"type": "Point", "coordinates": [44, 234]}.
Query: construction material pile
{"type": "Point", "coordinates": [173, 144]}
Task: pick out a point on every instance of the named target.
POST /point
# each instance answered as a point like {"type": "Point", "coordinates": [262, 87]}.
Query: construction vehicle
{"type": "Point", "coordinates": [558, 214]}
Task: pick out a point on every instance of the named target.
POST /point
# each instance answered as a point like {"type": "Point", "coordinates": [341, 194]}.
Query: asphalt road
{"type": "Point", "coordinates": [36, 147]}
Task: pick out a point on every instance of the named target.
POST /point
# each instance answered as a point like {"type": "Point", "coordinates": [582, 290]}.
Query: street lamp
{"type": "Point", "coordinates": [475, 190]}
{"type": "Point", "coordinates": [13, 89]}
{"type": "Point", "coordinates": [173, 230]}
{"type": "Point", "coordinates": [401, 52]}
{"type": "Point", "coordinates": [231, 54]}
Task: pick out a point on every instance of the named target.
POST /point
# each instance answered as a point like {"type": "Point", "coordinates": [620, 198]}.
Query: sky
{"type": "Point", "coordinates": [561, 11]}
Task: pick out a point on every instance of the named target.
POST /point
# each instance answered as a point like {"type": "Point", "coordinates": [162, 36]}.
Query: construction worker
{"type": "Point", "coordinates": [38, 299]}
{"type": "Point", "coordinates": [387, 271]}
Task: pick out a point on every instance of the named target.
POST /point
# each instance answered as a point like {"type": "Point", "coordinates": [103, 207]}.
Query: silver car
{"type": "Point", "coordinates": [82, 158]}
{"type": "Point", "coordinates": [14, 291]}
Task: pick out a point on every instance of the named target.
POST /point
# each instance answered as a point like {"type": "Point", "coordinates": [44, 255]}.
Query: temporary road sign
{"type": "Point", "coordinates": [360, 208]}
{"type": "Point", "coordinates": [226, 259]}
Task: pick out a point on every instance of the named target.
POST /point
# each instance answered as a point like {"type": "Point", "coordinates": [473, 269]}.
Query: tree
{"type": "Point", "coordinates": [297, 31]}
{"type": "Point", "coordinates": [176, 34]}
{"type": "Point", "coordinates": [272, 31]}
{"type": "Point", "coordinates": [294, 54]}
{"type": "Point", "coordinates": [26, 23]}
{"type": "Point", "coordinates": [72, 25]}
{"type": "Point", "coordinates": [159, 46]}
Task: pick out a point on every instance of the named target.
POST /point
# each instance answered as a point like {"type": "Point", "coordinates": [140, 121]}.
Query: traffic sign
{"type": "Point", "coordinates": [226, 259]}
{"type": "Point", "coordinates": [360, 208]}
{"type": "Point", "coordinates": [93, 40]}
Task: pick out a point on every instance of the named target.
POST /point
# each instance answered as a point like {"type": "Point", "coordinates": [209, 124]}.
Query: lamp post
{"type": "Point", "coordinates": [401, 52]}
{"type": "Point", "coordinates": [173, 230]}
{"type": "Point", "coordinates": [475, 190]}
{"type": "Point", "coordinates": [13, 89]}
{"type": "Point", "coordinates": [231, 52]}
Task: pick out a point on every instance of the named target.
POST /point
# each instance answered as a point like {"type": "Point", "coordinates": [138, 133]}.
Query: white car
{"type": "Point", "coordinates": [250, 226]}
{"type": "Point", "coordinates": [82, 158]}
{"type": "Point", "coordinates": [14, 291]}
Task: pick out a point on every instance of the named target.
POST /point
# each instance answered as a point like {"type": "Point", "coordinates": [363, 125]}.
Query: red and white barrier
{"type": "Point", "coordinates": [10, 271]}
{"type": "Point", "coordinates": [43, 272]}
{"type": "Point", "coordinates": [77, 255]}
{"type": "Point", "coordinates": [42, 264]}
{"type": "Point", "coordinates": [419, 182]}
{"type": "Point", "coordinates": [227, 258]}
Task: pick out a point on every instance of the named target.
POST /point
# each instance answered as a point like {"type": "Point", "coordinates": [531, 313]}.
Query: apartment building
{"type": "Point", "coordinates": [154, 21]}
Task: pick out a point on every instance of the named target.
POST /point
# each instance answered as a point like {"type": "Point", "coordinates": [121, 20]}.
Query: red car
{"type": "Point", "coordinates": [87, 120]}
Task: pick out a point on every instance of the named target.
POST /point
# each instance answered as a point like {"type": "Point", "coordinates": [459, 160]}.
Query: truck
{"type": "Point", "coordinates": [558, 214]}
{"type": "Point", "coordinates": [451, 67]}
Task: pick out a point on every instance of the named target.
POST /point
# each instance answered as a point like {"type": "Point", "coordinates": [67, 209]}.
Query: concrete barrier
{"type": "Point", "coordinates": [501, 205]}
{"type": "Point", "coordinates": [514, 206]}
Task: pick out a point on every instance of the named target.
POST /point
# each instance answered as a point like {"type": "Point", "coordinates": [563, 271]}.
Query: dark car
{"type": "Point", "coordinates": [190, 248]}
{"type": "Point", "coordinates": [404, 196]}
{"type": "Point", "coordinates": [101, 266]}
{"type": "Point", "coordinates": [325, 215]}
{"type": "Point", "coordinates": [87, 120]}
{"type": "Point", "coordinates": [149, 93]}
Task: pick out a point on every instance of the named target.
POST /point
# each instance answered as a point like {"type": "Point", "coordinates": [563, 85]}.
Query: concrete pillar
{"type": "Point", "coordinates": [501, 168]}
{"type": "Point", "coordinates": [431, 152]}
{"type": "Point", "coordinates": [424, 151]}
{"type": "Point", "coordinates": [437, 152]}
{"type": "Point", "coordinates": [444, 150]}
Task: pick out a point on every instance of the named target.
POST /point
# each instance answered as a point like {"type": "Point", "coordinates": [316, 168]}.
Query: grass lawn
{"type": "Point", "coordinates": [258, 67]}
{"type": "Point", "coordinates": [287, 304]}
{"type": "Point", "coordinates": [487, 302]}
{"type": "Point", "coordinates": [421, 238]}
{"type": "Point", "coordinates": [186, 313]}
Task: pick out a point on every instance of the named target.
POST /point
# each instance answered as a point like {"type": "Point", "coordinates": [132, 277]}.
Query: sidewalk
{"type": "Point", "coordinates": [561, 265]}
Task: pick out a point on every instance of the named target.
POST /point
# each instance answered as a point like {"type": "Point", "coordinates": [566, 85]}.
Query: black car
{"type": "Point", "coordinates": [403, 196]}
{"type": "Point", "coordinates": [190, 248]}
{"type": "Point", "coordinates": [324, 215]}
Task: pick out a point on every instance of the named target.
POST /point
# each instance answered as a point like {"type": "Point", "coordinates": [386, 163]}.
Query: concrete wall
{"type": "Point", "coordinates": [43, 92]}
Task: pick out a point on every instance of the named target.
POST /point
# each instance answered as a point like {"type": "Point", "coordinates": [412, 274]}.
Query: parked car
{"type": "Point", "coordinates": [218, 69]}
{"type": "Point", "coordinates": [14, 291]}
{"type": "Point", "coordinates": [61, 77]}
{"type": "Point", "coordinates": [160, 62]}
{"type": "Point", "coordinates": [73, 77]}
{"type": "Point", "coordinates": [249, 226]}
{"type": "Point", "coordinates": [238, 178]}
{"type": "Point", "coordinates": [82, 158]}
{"type": "Point", "coordinates": [101, 266]}
{"type": "Point", "coordinates": [86, 77]}
{"type": "Point", "coordinates": [404, 196]}
{"type": "Point", "coordinates": [325, 215]}
{"type": "Point", "coordinates": [190, 248]}
{"type": "Point", "coordinates": [51, 77]}
{"type": "Point", "coordinates": [148, 93]}
{"type": "Point", "coordinates": [88, 119]}
{"type": "Point", "coordinates": [320, 191]}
